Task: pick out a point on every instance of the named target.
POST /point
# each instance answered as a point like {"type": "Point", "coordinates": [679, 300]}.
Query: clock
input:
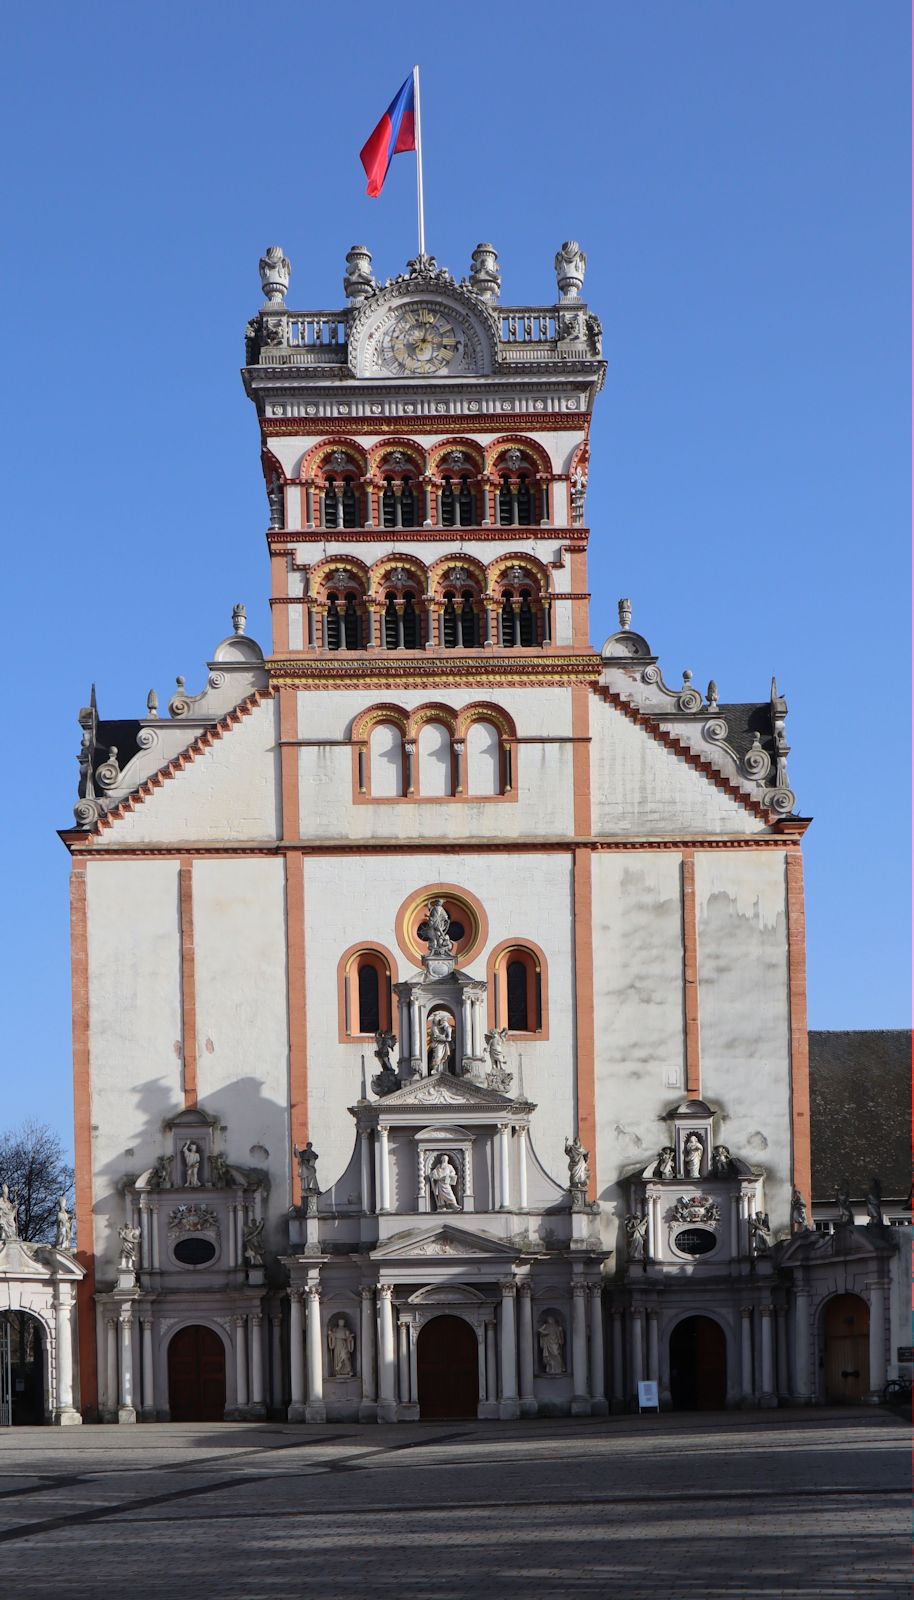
{"type": "Point", "coordinates": [420, 341]}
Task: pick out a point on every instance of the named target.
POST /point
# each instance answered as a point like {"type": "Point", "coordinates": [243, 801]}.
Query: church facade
{"type": "Point", "coordinates": [439, 978]}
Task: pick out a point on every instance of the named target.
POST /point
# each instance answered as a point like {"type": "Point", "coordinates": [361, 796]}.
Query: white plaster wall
{"type": "Point", "coordinates": [242, 1020]}
{"type": "Point", "coordinates": [135, 1027]}
{"type": "Point", "coordinates": [229, 791]}
{"type": "Point", "coordinates": [743, 1008]}
{"type": "Point", "coordinates": [542, 772]}
{"type": "Point", "coordinates": [353, 898]}
{"type": "Point", "coordinates": [639, 787]}
{"type": "Point", "coordinates": [638, 1007]}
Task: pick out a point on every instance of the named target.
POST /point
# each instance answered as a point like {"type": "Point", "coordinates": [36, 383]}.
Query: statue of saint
{"type": "Point", "coordinates": [799, 1221]}
{"type": "Point", "coordinates": [666, 1163]}
{"type": "Point", "coordinates": [384, 1044]}
{"type": "Point", "coordinates": [692, 1155]}
{"type": "Point", "coordinates": [252, 1242]}
{"type": "Point", "coordinates": [495, 1044]}
{"type": "Point", "coordinates": [578, 1168]}
{"type": "Point", "coordinates": [434, 930]}
{"type": "Point", "coordinates": [442, 1035]}
{"type": "Point", "coordinates": [9, 1220]}
{"type": "Point", "coordinates": [342, 1343]}
{"type": "Point", "coordinates": [636, 1236]}
{"type": "Point", "coordinates": [845, 1209]}
{"type": "Point", "coordinates": [551, 1336]}
{"type": "Point", "coordinates": [442, 1180]}
{"type": "Point", "coordinates": [721, 1162]}
{"type": "Point", "coordinates": [760, 1233]}
{"type": "Point", "coordinates": [62, 1225]}
{"type": "Point", "coordinates": [874, 1204]}
{"type": "Point", "coordinates": [130, 1247]}
{"type": "Point", "coordinates": [191, 1154]}
{"type": "Point", "coordinates": [307, 1168]}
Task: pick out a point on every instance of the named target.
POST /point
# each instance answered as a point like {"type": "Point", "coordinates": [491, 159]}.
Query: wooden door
{"type": "Point", "coordinates": [448, 1368]}
{"type": "Point", "coordinates": [698, 1365]}
{"type": "Point", "coordinates": [196, 1376]}
{"type": "Point", "coordinates": [847, 1348]}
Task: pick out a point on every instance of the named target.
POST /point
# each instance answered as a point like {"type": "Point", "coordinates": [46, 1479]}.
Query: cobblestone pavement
{"type": "Point", "coordinates": [789, 1504]}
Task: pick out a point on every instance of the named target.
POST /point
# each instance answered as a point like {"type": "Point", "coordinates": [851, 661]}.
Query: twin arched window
{"type": "Point", "coordinates": [435, 766]}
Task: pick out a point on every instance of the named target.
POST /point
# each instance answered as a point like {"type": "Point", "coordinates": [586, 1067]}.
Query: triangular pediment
{"type": "Point", "coordinates": [448, 1242]}
{"type": "Point", "coordinates": [443, 1089]}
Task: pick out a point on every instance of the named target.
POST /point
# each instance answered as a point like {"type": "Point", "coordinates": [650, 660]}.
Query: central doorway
{"type": "Point", "coordinates": [447, 1357]}
{"type": "Point", "coordinates": [196, 1376]}
{"type": "Point", "coordinates": [698, 1365]}
{"type": "Point", "coordinates": [846, 1326]}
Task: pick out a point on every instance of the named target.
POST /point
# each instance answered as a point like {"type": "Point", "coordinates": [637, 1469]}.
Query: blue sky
{"type": "Point", "coordinates": [739, 177]}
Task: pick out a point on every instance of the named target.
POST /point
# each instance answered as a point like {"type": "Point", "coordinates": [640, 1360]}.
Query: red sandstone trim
{"type": "Point", "coordinates": [691, 757]}
{"type": "Point", "coordinates": [188, 983]}
{"type": "Point", "coordinates": [288, 762]}
{"type": "Point", "coordinates": [580, 759]}
{"type": "Point", "coordinates": [690, 977]}
{"type": "Point", "coordinates": [177, 764]}
{"type": "Point", "coordinates": [799, 1026]}
{"type": "Point", "coordinates": [82, 1119]}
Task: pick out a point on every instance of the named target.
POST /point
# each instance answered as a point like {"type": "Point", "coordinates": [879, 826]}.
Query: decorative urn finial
{"type": "Point", "coordinates": [570, 265]}
{"type": "Point", "coordinates": [239, 618]}
{"type": "Point", "coordinates": [358, 279]}
{"type": "Point", "coordinates": [275, 272]}
{"type": "Point", "coordinates": [485, 276]}
{"type": "Point", "coordinates": [625, 615]}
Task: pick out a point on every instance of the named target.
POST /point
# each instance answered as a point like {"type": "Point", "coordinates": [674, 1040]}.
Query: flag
{"type": "Point", "coordinates": [395, 133]}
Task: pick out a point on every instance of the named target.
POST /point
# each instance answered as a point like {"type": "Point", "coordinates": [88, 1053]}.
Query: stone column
{"type": "Point", "coordinates": [877, 1340]}
{"type": "Point", "coordinates": [111, 1395]}
{"type": "Point", "coordinates": [414, 1365]}
{"type": "Point", "coordinates": [801, 1346]}
{"type": "Point", "coordinates": [257, 1359]}
{"type": "Point", "coordinates": [149, 1399]}
{"type": "Point", "coordinates": [618, 1375]}
{"type": "Point", "coordinates": [241, 1361]}
{"type": "Point", "coordinates": [64, 1411]}
{"type": "Point", "coordinates": [466, 1026]}
{"type": "Point", "coordinates": [783, 1379]}
{"type": "Point", "coordinates": [504, 1168]}
{"type": "Point", "coordinates": [126, 1411]}
{"type": "Point", "coordinates": [528, 1405]}
{"type": "Point", "coordinates": [767, 1396]}
{"type": "Point", "coordinates": [598, 1402]}
{"type": "Point", "coordinates": [745, 1356]}
{"type": "Point", "coordinates": [403, 1362]}
{"type": "Point", "coordinates": [315, 1409]}
{"type": "Point", "coordinates": [509, 1408]}
{"type": "Point", "coordinates": [734, 1225]}
{"type": "Point", "coordinates": [365, 1165]}
{"type": "Point", "coordinates": [276, 1361]}
{"type": "Point", "coordinates": [416, 1052]}
{"type": "Point", "coordinates": [522, 1166]}
{"type": "Point", "coordinates": [368, 1408]}
{"type": "Point", "coordinates": [491, 1368]}
{"type": "Point", "coordinates": [387, 1405]}
{"type": "Point", "coordinates": [403, 1010]}
{"type": "Point", "coordinates": [232, 1256]}
{"type": "Point", "coordinates": [383, 1171]}
{"type": "Point", "coordinates": [653, 1348]}
{"type": "Point", "coordinates": [580, 1400]}
{"type": "Point", "coordinates": [297, 1356]}
{"type": "Point", "coordinates": [636, 1334]}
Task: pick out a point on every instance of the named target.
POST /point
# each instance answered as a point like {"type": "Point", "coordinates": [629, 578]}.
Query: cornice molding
{"type": "Point", "coordinates": [484, 422]}
{"type": "Point", "coordinates": [421, 671]}
{"type": "Point", "coordinates": [86, 847]}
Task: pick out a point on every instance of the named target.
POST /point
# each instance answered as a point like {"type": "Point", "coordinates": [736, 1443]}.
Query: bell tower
{"type": "Point", "coordinates": [425, 453]}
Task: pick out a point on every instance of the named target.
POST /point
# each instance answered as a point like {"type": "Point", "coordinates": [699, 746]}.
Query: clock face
{"type": "Point", "coordinates": [419, 342]}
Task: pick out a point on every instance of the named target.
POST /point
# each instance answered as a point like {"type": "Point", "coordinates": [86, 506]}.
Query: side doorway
{"type": "Point", "coordinates": [846, 1348]}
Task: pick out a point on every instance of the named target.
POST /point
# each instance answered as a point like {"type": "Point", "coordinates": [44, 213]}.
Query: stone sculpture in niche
{"type": "Point", "coordinates": [443, 1180]}
{"type": "Point", "coordinates": [9, 1221]}
{"type": "Point", "coordinates": [693, 1154]}
{"type": "Point", "coordinates": [721, 1162]}
{"type": "Point", "coordinates": [636, 1236]}
{"type": "Point", "coordinates": [666, 1163]}
{"type": "Point", "coordinates": [63, 1225]}
{"type": "Point", "coordinates": [252, 1242]}
{"type": "Point", "coordinates": [442, 1036]}
{"type": "Point", "coordinates": [342, 1343]}
{"type": "Point", "coordinates": [130, 1247]}
{"type": "Point", "coordinates": [760, 1233]}
{"type": "Point", "coordinates": [551, 1336]}
{"type": "Point", "coordinates": [307, 1168]}
{"type": "Point", "coordinates": [190, 1152]}
{"type": "Point", "coordinates": [578, 1167]}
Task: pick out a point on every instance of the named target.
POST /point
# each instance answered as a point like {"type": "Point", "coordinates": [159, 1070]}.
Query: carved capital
{"type": "Point", "coordinates": [385, 1290]}
{"type": "Point", "coordinates": [525, 1287]}
{"type": "Point", "coordinates": [508, 1290]}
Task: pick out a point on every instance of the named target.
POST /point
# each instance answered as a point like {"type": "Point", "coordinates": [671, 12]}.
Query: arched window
{"type": "Point", "coordinates": [333, 622]}
{"type": "Point", "coordinates": [365, 992]}
{"type": "Point", "coordinates": [516, 491]}
{"type": "Point", "coordinates": [399, 491]}
{"type": "Point", "coordinates": [483, 755]}
{"type": "Point", "coordinates": [386, 755]}
{"type": "Point", "coordinates": [344, 622]}
{"type": "Point", "coordinates": [434, 760]}
{"type": "Point", "coordinates": [517, 984]}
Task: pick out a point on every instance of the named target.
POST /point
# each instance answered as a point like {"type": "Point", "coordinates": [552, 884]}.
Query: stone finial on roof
{"type": "Point", "coordinates": [358, 279]}
{"type": "Point", "coordinates": [625, 615]}
{"type": "Point", "coordinates": [570, 266]}
{"type": "Point", "coordinates": [485, 276]}
{"type": "Point", "coordinates": [239, 618]}
{"type": "Point", "coordinates": [275, 272]}
{"type": "Point", "coordinates": [152, 704]}
{"type": "Point", "coordinates": [712, 696]}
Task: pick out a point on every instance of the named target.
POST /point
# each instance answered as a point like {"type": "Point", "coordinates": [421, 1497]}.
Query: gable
{"type": "Point", "coordinates": [225, 786]}
{"type": "Point", "coordinates": [643, 784]}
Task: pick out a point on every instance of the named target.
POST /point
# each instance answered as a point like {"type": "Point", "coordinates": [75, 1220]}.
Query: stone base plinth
{"type": "Point", "coordinates": [488, 1411]}
{"type": "Point", "coordinates": [387, 1410]}
{"type": "Point", "coordinates": [580, 1405]}
{"type": "Point", "coordinates": [66, 1417]}
{"type": "Point", "coordinates": [368, 1410]}
{"type": "Point", "coordinates": [528, 1408]}
{"type": "Point", "coordinates": [315, 1411]}
{"type": "Point", "coordinates": [297, 1412]}
{"type": "Point", "coordinates": [599, 1408]}
{"type": "Point", "coordinates": [126, 1414]}
{"type": "Point", "coordinates": [509, 1410]}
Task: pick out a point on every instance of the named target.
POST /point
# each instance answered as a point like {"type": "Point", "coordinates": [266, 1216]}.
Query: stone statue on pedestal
{"type": "Point", "coordinates": [252, 1242]}
{"type": "Point", "coordinates": [636, 1236]}
{"type": "Point", "coordinates": [442, 1180]}
{"type": "Point", "coordinates": [442, 1036]}
{"type": "Point", "coordinates": [130, 1247]}
{"type": "Point", "coordinates": [434, 930]}
{"type": "Point", "coordinates": [9, 1220]}
{"type": "Point", "coordinates": [845, 1209]}
{"type": "Point", "coordinates": [666, 1163]}
{"type": "Point", "coordinates": [578, 1164]}
{"type": "Point", "coordinates": [307, 1168]}
{"type": "Point", "coordinates": [551, 1336]}
{"type": "Point", "coordinates": [341, 1341]}
{"type": "Point", "coordinates": [692, 1155]}
{"type": "Point", "coordinates": [190, 1152]}
{"type": "Point", "coordinates": [799, 1221]}
{"type": "Point", "coordinates": [63, 1225]}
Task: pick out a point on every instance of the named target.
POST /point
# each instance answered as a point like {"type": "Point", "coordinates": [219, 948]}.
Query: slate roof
{"type": "Point", "coordinates": [122, 734]}
{"type": "Point", "coordinates": [743, 721]}
{"type": "Point", "coordinates": [860, 1111]}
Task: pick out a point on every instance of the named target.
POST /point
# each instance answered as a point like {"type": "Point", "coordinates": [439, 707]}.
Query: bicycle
{"type": "Point", "coordinates": [897, 1388]}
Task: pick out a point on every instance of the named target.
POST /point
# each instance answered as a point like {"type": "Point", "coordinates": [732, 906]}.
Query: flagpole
{"type": "Point", "coordinates": [418, 128]}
